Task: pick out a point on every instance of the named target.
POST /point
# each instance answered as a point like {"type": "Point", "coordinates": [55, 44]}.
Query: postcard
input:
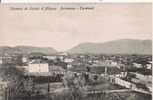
{"type": "Point", "coordinates": [76, 51]}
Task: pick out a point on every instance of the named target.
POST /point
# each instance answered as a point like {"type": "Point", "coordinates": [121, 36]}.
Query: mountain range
{"type": "Point", "coordinates": [123, 46]}
{"type": "Point", "coordinates": [26, 50]}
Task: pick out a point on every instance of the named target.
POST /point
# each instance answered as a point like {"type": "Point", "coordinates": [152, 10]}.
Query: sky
{"type": "Point", "coordinates": [64, 29]}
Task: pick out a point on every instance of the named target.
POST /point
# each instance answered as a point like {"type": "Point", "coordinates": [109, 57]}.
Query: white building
{"type": "Point", "coordinates": [123, 74]}
{"type": "Point", "coordinates": [137, 65]}
{"type": "Point", "coordinates": [38, 67]}
{"type": "Point", "coordinates": [149, 66]}
{"type": "Point", "coordinates": [69, 66]}
{"type": "Point", "coordinates": [107, 63]}
{"type": "Point", "coordinates": [68, 60]}
{"type": "Point", "coordinates": [113, 63]}
{"type": "Point", "coordinates": [149, 86]}
{"type": "Point", "coordinates": [144, 77]}
{"type": "Point", "coordinates": [123, 83]}
{"type": "Point", "coordinates": [24, 59]}
{"type": "Point", "coordinates": [50, 57]}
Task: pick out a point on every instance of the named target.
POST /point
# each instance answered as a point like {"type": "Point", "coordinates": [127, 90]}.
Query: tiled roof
{"type": "Point", "coordinates": [55, 68]}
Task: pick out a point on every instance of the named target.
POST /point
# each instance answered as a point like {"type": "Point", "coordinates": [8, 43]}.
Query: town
{"type": "Point", "coordinates": [81, 51]}
{"type": "Point", "coordinates": [64, 76]}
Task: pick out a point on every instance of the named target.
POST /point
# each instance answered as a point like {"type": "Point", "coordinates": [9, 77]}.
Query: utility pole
{"type": "Point", "coordinates": [48, 87]}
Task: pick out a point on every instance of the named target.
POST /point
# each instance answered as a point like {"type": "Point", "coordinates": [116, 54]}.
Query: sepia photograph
{"type": "Point", "coordinates": [76, 51]}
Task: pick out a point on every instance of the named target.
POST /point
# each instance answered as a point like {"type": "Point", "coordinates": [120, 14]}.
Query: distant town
{"type": "Point", "coordinates": [65, 76]}
{"type": "Point", "coordinates": [78, 51]}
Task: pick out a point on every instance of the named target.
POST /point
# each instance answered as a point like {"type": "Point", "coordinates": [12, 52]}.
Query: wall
{"type": "Point", "coordinates": [143, 77]}
{"type": "Point", "coordinates": [123, 83]}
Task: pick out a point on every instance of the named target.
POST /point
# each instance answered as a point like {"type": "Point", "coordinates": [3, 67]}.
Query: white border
{"type": "Point", "coordinates": [75, 1]}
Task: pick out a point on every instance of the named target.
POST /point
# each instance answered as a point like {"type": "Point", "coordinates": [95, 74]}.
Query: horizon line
{"type": "Point", "coordinates": [26, 45]}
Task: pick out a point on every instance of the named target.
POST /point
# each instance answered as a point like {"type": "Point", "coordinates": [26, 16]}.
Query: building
{"type": "Point", "coordinates": [143, 77]}
{"type": "Point", "coordinates": [56, 69]}
{"type": "Point", "coordinates": [24, 59]}
{"type": "Point", "coordinates": [137, 65]}
{"type": "Point", "coordinates": [38, 66]}
{"type": "Point", "coordinates": [149, 86]}
{"type": "Point", "coordinates": [135, 80]}
{"type": "Point", "coordinates": [69, 66]}
{"type": "Point", "coordinates": [6, 59]}
{"type": "Point", "coordinates": [68, 60]}
{"type": "Point", "coordinates": [105, 68]}
{"type": "Point", "coordinates": [123, 74]}
{"type": "Point", "coordinates": [122, 82]}
{"type": "Point", "coordinates": [78, 68]}
{"type": "Point", "coordinates": [149, 66]}
{"type": "Point", "coordinates": [51, 57]}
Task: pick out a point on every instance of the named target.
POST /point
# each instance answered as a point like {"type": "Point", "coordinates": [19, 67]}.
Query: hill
{"type": "Point", "coordinates": [25, 50]}
{"type": "Point", "coordinates": [124, 46]}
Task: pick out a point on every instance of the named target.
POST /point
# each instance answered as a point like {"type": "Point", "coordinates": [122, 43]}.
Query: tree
{"type": "Point", "coordinates": [75, 84]}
